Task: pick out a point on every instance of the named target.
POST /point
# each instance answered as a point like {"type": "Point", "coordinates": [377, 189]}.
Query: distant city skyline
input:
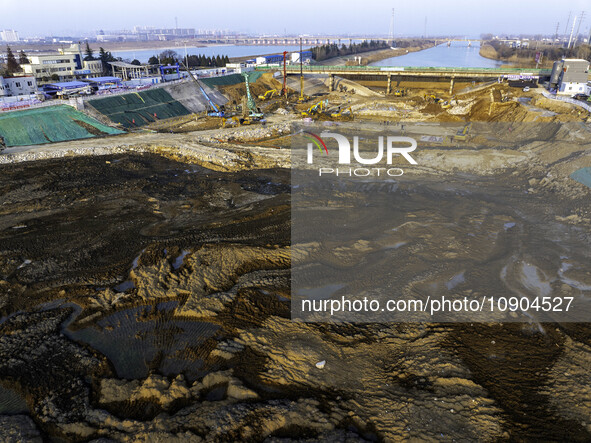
{"type": "Point", "coordinates": [455, 17]}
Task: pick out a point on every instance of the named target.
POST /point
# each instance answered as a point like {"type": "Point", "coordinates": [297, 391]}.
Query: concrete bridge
{"type": "Point", "coordinates": [306, 41]}
{"type": "Point", "coordinates": [396, 74]}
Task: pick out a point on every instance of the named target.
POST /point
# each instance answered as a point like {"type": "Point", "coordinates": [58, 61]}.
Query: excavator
{"type": "Point", "coordinates": [214, 110]}
{"type": "Point", "coordinates": [339, 114]}
{"type": "Point", "coordinates": [269, 94]}
{"type": "Point", "coordinates": [400, 93]}
{"type": "Point", "coordinates": [463, 133]}
{"type": "Point", "coordinates": [315, 109]}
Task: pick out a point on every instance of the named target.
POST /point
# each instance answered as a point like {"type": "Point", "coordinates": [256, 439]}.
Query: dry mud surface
{"type": "Point", "coordinates": [145, 295]}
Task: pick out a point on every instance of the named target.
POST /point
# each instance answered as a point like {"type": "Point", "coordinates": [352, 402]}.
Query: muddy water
{"type": "Point", "coordinates": [138, 339]}
{"type": "Point", "coordinates": [424, 238]}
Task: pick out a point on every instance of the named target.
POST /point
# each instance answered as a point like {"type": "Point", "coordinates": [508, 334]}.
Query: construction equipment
{"type": "Point", "coordinates": [74, 92]}
{"type": "Point", "coordinates": [269, 94]}
{"type": "Point", "coordinates": [339, 113]}
{"type": "Point", "coordinates": [214, 110]}
{"type": "Point", "coordinates": [250, 112]}
{"type": "Point", "coordinates": [315, 109]}
{"type": "Point", "coordinates": [463, 133]}
{"type": "Point", "coordinates": [400, 93]}
{"type": "Point", "coordinates": [284, 87]}
{"type": "Point", "coordinates": [301, 99]}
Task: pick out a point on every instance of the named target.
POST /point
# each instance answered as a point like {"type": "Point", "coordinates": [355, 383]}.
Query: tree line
{"type": "Point", "coordinates": [333, 50]}
{"type": "Point", "coordinates": [505, 52]}
{"type": "Point", "coordinates": [170, 57]}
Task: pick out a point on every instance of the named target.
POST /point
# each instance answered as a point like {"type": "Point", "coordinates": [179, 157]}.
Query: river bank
{"type": "Point", "coordinates": [370, 57]}
{"type": "Point", "coordinates": [487, 51]}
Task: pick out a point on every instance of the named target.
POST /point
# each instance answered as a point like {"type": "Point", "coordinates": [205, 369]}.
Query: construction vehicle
{"type": "Point", "coordinates": [269, 94]}
{"type": "Point", "coordinates": [74, 92]}
{"type": "Point", "coordinates": [250, 112]}
{"type": "Point", "coordinates": [214, 110]}
{"type": "Point", "coordinates": [315, 109]}
{"type": "Point", "coordinates": [463, 133]}
{"type": "Point", "coordinates": [432, 98]}
{"type": "Point", "coordinates": [400, 93]}
{"type": "Point", "coordinates": [339, 114]}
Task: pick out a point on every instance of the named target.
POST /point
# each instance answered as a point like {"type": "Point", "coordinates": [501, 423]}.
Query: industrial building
{"type": "Point", "coordinates": [570, 76]}
{"type": "Point", "coordinates": [17, 86]}
{"type": "Point", "coordinates": [305, 55]}
{"type": "Point", "coordinates": [275, 59]}
{"type": "Point", "coordinates": [67, 64]}
{"type": "Point", "coordinates": [9, 36]}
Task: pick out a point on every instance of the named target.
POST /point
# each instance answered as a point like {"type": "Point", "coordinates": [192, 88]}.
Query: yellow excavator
{"type": "Point", "coordinates": [463, 133]}
{"type": "Point", "coordinates": [315, 109]}
{"type": "Point", "coordinates": [269, 94]}
{"type": "Point", "coordinates": [339, 114]}
{"type": "Point", "coordinates": [400, 93]}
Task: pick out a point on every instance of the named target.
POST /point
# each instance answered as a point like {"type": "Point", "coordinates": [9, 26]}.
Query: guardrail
{"type": "Point", "coordinates": [570, 100]}
{"type": "Point", "coordinates": [393, 69]}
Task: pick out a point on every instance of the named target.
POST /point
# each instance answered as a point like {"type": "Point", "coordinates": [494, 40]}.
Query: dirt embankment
{"type": "Point", "coordinates": [487, 51]}
{"type": "Point", "coordinates": [370, 57]}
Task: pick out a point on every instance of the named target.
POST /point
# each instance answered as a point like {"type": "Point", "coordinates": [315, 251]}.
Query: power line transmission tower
{"type": "Point", "coordinates": [556, 32]}
{"type": "Point", "coordinates": [392, 27]}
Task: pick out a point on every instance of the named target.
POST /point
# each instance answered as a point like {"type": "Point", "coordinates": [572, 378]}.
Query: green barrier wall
{"type": "Point", "coordinates": [139, 107]}
{"type": "Point", "coordinates": [50, 124]}
{"type": "Point", "coordinates": [232, 79]}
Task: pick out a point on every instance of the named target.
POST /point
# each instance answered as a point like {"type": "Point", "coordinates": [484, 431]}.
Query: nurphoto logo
{"type": "Point", "coordinates": [394, 145]}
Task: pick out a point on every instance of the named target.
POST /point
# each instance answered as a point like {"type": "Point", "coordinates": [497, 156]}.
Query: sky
{"type": "Point", "coordinates": [346, 17]}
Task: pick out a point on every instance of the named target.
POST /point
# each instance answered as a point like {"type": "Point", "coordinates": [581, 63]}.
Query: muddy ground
{"type": "Point", "coordinates": [145, 292]}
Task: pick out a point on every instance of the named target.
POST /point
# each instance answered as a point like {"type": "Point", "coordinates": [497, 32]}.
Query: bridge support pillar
{"type": "Point", "coordinates": [451, 85]}
{"type": "Point", "coordinates": [331, 85]}
{"type": "Point", "coordinates": [389, 87]}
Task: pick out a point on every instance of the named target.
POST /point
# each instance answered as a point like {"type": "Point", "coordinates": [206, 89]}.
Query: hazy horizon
{"type": "Point", "coordinates": [456, 17]}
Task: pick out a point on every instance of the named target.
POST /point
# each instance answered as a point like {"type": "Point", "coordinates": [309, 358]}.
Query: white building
{"type": "Point", "coordinates": [17, 86]}
{"type": "Point", "coordinates": [9, 35]}
{"type": "Point", "coordinates": [67, 64]}
{"type": "Point", "coordinates": [570, 76]}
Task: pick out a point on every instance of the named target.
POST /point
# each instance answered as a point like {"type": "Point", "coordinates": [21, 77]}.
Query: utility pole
{"type": "Point", "coordinates": [392, 27]}
{"type": "Point", "coordinates": [567, 22]}
{"type": "Point", "coordinates": [571, 32]}
{"type": "Point", "coordinates": [579, 28]}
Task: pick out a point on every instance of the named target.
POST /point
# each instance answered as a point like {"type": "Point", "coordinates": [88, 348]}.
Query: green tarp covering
{"type": "Point", "coordinates": [142, 107]}
{"type": "Point", "coordinates": [583, 176]}
{"type": "Point", "coordinates": [49, 124]}
{"type": "Point", "coordinates": [232, 79]}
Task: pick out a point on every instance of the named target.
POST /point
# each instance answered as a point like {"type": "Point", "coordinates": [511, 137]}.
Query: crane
{"type": "Point", "coordinates": [250, 111]}
{"type": "Point", "coordinates": [214, 110]}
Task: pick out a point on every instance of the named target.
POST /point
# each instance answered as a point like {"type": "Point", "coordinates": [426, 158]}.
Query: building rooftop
{"type": "Point", "coordinates": [66, 85]}
{"type": "Point", "coordinates": [106, 79]}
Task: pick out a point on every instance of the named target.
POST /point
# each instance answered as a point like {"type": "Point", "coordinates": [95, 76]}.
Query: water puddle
{"type": "Point", "coordinates": [138, 339]}
{"type": "Point", "coordinates": [178, 262]}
